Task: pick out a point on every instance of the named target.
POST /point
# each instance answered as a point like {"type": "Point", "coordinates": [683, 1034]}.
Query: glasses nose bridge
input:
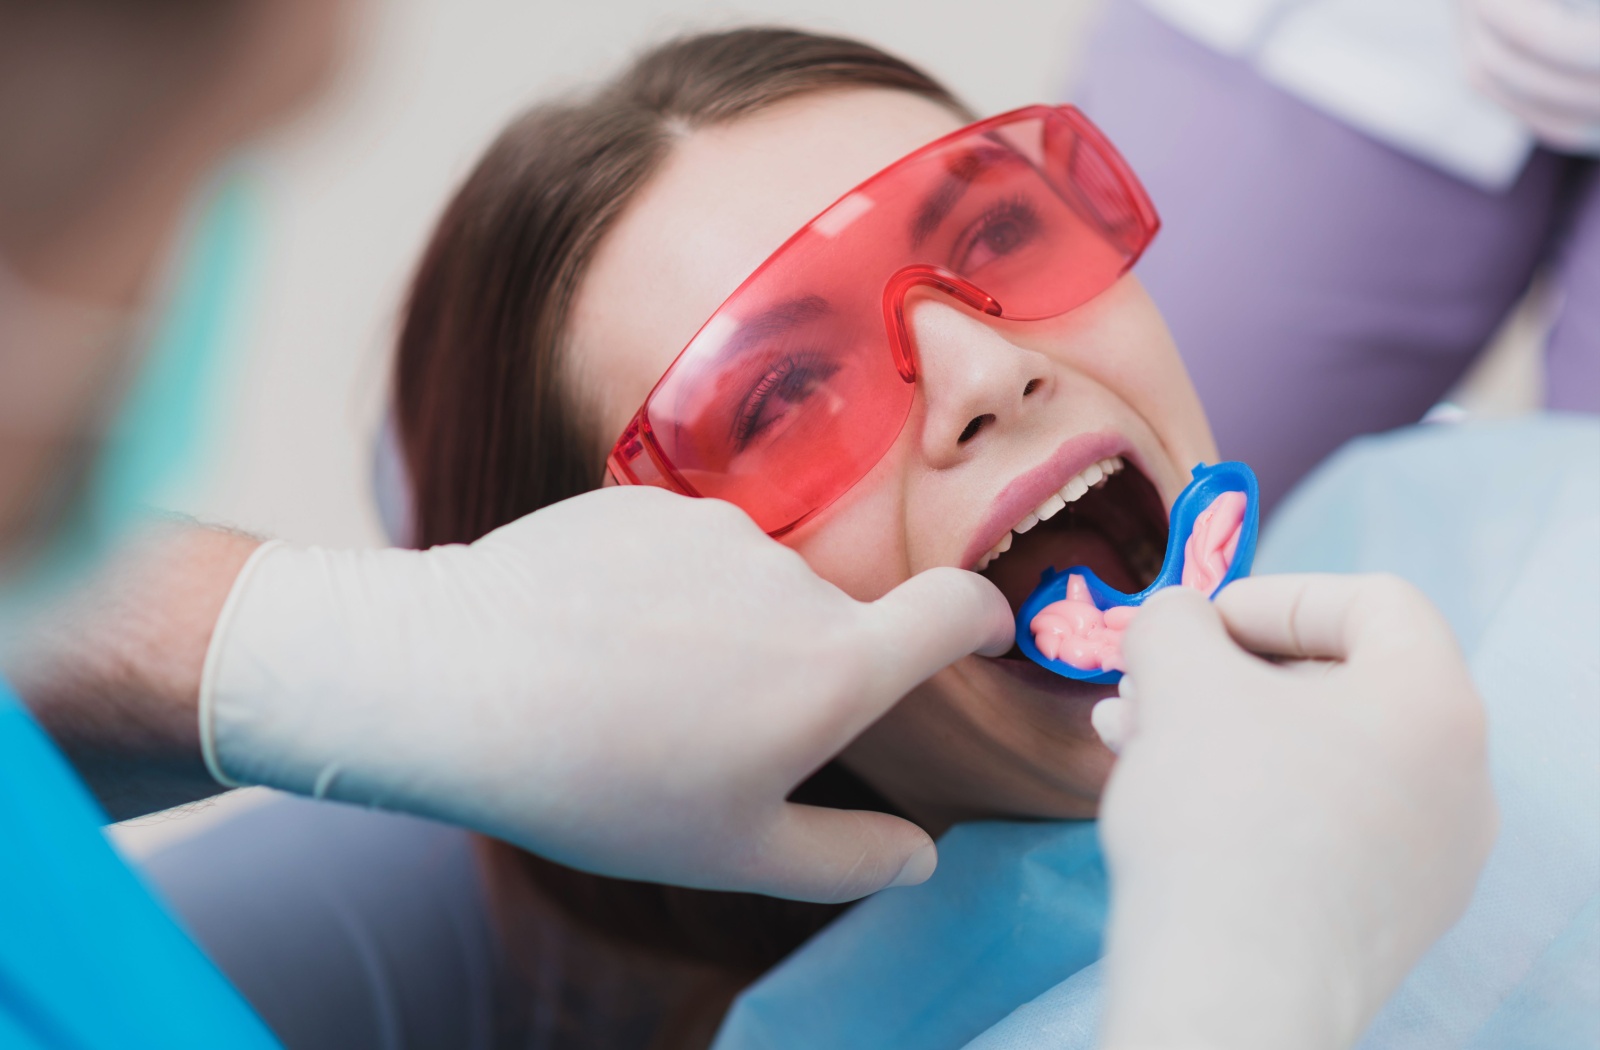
{"type": "Point", "coordinates": [894, 306]}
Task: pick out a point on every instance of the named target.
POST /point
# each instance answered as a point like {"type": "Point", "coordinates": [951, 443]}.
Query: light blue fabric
{"type": "Point", "coordinates": [1500, 524]}
{"type": "Point", "coordinates": [88, 959]}
{"type": "Point", "coordinates": [1013, 910]}
{"type": "Point", "coordinates": [157, 433]}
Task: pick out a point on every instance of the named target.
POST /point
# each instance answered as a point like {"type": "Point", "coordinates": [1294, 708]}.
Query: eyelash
{"type": "Point", "coordinates": [1019, 210]}
{"type": "Point", "coordinates": [788, 371]}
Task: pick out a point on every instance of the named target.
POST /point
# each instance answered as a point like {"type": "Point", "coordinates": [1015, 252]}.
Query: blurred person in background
{"type": "Point", "coordinates": [474, 684]}
{"type": "Point", "coordinates": [1355, 194]}
{"type": "Point", "coordinates": [113, 119]}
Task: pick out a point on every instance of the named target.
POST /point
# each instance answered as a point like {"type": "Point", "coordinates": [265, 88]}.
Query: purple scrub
{"type": "Point", "coordinates": [1319, 283]}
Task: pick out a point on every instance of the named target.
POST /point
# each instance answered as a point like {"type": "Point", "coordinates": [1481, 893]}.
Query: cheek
{"type": "Point", "coordinates": [609, 380]}
{"type": "Point", "coordinates": [950, 751]}
{"type": "Point", "coordinates": [1145, 370]}
{"type": "Point", "coordinates": [859, 543]}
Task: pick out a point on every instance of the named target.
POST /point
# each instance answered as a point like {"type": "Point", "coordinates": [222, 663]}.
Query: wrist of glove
{"type": "Point", "coordinates": [322, 677]}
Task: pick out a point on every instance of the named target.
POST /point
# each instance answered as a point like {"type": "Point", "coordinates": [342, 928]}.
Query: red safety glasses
{"type": "Point", "coordinates": [804, 377]}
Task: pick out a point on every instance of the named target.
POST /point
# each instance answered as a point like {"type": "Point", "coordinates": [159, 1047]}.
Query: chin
{"type": "Point", "coordinates": [989, 739]}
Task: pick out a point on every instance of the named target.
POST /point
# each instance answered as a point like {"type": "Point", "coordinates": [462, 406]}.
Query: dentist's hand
{"type": "Point", "coordinates": [1541, 60]}
{"type": "Point", "coordinates": [1286, 840]}
{"type": "Point", "coordinates": [629, 682]}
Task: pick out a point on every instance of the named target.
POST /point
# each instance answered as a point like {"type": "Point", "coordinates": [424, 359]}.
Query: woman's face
{"type": "Point", "coordinates": [1006, 414]}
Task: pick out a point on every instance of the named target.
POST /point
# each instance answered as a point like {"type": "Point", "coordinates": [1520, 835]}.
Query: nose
{"type": "Point", "coordinates": [975, 383]}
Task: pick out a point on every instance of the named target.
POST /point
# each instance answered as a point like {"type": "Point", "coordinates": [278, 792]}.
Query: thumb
{"type": "Point", "coordinates": [1324, 616]}
{"type": "Point", "coordinates": [813, 853]}
{"type": "Point", "coordinates": [927, 623]}
{"type": "Point", "coordinates": [944, 614]}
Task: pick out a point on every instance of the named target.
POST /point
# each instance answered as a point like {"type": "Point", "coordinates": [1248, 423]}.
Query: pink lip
{"type": "Point", "coordinates": [1029, 490]}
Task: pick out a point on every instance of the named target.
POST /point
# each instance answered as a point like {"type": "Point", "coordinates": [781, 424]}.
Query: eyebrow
{"type": "Point", "coordinates": [941, 201]}
{"type": "Point", "coordinates": [775, 320]}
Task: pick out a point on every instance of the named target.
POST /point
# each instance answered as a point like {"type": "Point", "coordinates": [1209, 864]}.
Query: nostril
{"type": "Point", "coordinates": [973, 426]}
{"type": "Point", "coordinates": [1033, 384]}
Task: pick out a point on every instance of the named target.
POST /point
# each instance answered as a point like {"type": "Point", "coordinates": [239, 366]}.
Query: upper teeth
{"type": "Point", "coordinates": [1092, 475]}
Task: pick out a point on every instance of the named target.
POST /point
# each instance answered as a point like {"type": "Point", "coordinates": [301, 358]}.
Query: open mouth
{"type": "Point", "coordinates": [1109, 518]}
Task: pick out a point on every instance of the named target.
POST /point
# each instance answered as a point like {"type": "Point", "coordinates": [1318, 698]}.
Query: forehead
{"type": "Point", "coordinates": [724, 200]}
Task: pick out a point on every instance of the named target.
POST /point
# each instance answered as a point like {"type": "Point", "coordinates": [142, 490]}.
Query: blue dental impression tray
{"type": "Point", "coordinates": [1208, 484]}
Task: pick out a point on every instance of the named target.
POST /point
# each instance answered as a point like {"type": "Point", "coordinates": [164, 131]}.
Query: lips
{"type": "Point", "coordinates": [1091, 509]}
{"type": "Point", "coordinates": [1075, 489]}
{"type": "Point", "coordinates": [1024, 494]}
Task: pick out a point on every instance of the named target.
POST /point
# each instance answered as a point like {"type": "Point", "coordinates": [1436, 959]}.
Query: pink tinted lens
{"type": "Point", "coordinates": [783, 396]}
{"type": "Point", "coordinates": [790, 394]}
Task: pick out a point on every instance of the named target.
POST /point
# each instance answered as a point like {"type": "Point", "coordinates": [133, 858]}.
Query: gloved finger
{"type": "Point", "coordinates": [1320, 616]}
{"type": "Point", "coordinates": [929, 622]}
{"type": "Point", "coordinates": [947, 613]}
{"type": "Point", "coordinates": [1569, 122]}
{"type": "Point", "coordinates": [1176, 639]}
{"type": "Point", "coordinates": [812, 853]}
{"type": "Point", "coordinates": [1552, 34]}
{"type": "Point", "coordinates": [1527, 83]}
{"type": "Point", "coordinates": [1113, 720]}
{"type": "Point", "coordinates": [1535, 90]}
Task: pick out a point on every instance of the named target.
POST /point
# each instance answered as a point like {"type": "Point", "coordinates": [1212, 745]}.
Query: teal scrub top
{"type": "Point", "coordinates": [88, 958]}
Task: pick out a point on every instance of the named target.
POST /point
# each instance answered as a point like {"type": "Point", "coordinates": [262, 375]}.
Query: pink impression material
{"type": "Point", "coordinates": [1076, 632]}
{"type": "Point", "coordinates": [1213, 541]}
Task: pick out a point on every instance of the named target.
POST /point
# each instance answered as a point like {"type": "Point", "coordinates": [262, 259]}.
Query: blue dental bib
{"type": "Point", "coordinates": [1208, 484]}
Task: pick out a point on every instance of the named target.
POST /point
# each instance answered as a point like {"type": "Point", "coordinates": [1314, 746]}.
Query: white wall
{"type": "Point", "coordinates": [351, 190]}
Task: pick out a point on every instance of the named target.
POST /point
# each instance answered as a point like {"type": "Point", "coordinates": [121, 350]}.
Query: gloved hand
{"type": "Point", "coordinates": [629, 682]}
{"type": "Point", "coordinates": [1541, 60]}
{"type": "Point", "coordinates": [1286, 840]}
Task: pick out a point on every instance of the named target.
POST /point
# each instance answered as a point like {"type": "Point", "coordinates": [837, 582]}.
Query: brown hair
{"type": "Point", "coordinates": [489, 432]}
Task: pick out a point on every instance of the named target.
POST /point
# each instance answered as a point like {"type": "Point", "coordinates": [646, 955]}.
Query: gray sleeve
{"type": "Point", "coordinates": [346, 928]}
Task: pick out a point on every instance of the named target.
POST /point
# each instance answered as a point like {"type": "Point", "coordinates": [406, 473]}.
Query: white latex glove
{"type": "Point", "coordinates": [629, 682]}
{"type": "Point", "coordinates": [1541, 60]}
{"type": "Point", "coordinates": [1285, 841]}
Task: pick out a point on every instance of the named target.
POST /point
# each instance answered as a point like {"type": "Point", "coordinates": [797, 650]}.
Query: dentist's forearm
{"type": "Point", "coordinates": [114, 676]}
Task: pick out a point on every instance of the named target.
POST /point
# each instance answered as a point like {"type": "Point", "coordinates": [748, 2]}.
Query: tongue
{"type": "Point", "coordinates": [1017, 571]}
